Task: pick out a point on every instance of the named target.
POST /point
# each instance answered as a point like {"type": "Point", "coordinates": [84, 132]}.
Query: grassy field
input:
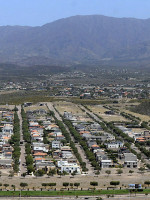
{"type": "Point", "coordinates": [68, 193]}
{"type": "Point", "coordinates": [35, 107]}
{"type": "Point", "coordinates": [100, 110]}
{"type": "Point", "coordinates": [125, 108]}
{"type": "Point", "coordinates": [62, 106]}
{"type": "Point", "coordinates": [142, 117]}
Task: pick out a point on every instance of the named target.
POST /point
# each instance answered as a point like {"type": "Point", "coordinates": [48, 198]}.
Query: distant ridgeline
{"type": "Point", "coordinates": [76, 40]}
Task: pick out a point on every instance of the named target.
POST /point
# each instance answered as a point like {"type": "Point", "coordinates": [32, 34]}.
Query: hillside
{"type": "Point", "coordinates": [78, 39]}
{"type": "Point", "coordinates": [143, 108]}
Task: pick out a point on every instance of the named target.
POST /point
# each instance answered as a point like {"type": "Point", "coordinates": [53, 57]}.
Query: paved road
{"type": "Point", "coordinates": [22, 156]}
{"type": "Point", "coordinates": [104, 197]}
{"type": "Point", "coordinates": [80, 150]}
{"type": "Point", "coordinates": [51, 107]}
{"type": "Point", "coordinates": [132, 146]}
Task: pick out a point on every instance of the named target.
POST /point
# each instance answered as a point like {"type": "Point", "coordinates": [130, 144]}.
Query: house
{"type": "Point", "coordinates": [141, 139]}
{"type": "Point", "coordinates": [36, 137]}
{"type": "Point", "coordinates": [130, 160]}
{"type": "Point", "coordinates": [56, 144]}
{"type": "Point", "coordinates": [121, 152]}
{"type": "Point", "coordinates": [103, 160]}
{"type": "Point", "coordinates": [39, 155]}
{"type": "Point", "coordinates": [114, 145]}
{"type": "Point", "coordinates": [90, 143]}
{"type": "Point", "coordinates": [68, 115]}
{"type": "Point", "coordinates": [95, 126]}
{"type": "Point", "coordinates": [5, 163]}
{"type": "Point", "coordinates": [45, 165]}
{"type": "Point", "coordinates": [60, 137]}
{"type": "Point", "coordinates": [147, 135]}
{"type": "Point", "coordinates": [106, 163]}
{"type": "Point", "coordinates": [109, 112]}
{"type": "Point", "coordinates": [7, 129]}
{"type": "Point", "coordinates": [67, 154]}
{"type": "Point", "coordinates": [39, 149]}
{"type": "Point", "coordinates": [57, 154]}
{"type": "Point", "coordinates": [95, 147]}
{"type": "Point", "coordinates": [68, 167]}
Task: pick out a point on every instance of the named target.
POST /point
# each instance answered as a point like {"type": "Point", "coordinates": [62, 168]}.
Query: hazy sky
{"type": "Point", "coordinates": [39, 12]}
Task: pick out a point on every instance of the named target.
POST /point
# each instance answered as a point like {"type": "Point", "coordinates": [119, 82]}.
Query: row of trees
{"type": "Point", "coordinates": [135, 120]}
{"type": "Point", "coordinates": [27, 138]}
{"type": "Point", "coordinates": [109, 127]}
{"type": "Point", "coordinates": [68, 140]}
{"type": "Point", "coordinates": [15, 142]}
{"type": "Point", "coordinates": [89, 154]}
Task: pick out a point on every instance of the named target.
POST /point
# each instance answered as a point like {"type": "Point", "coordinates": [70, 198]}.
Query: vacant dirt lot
{"type": "Point", "coordinates": [84, 180]}
{"type": "Point", "coordinates": [68, 107]}
{"type": "Point", "coordinates": [62, 106]}
{"type": "Point", "coordinates": [100, 110]}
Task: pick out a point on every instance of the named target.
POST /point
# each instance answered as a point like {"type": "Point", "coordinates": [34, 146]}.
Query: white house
{"type": "Point", "coordinates": [7, 129]}
{"type": "Point", "coordinates": [115, 145]}
{"type": "Point", "coordinates": [68, 167]}
{"type": "Point", "coordinates": [56, 144]}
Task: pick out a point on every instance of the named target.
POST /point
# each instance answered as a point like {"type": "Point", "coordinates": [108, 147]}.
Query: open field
{"type": "Point", "coordinates": [125, 108]}
{"type": "Point", "coordinates": [142, 117]}
{"type": "Point", "coordinates": [62, 106]}
{"type": "Point", "coordinates": [35, 107]}
{"type": "Point", "coordinates": [7, 106]}
{"type": "Point", "coordinates": [100, 110]}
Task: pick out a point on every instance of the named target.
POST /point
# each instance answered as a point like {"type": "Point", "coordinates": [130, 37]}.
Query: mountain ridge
{"type": "Point", "coordinates": [77, 39]}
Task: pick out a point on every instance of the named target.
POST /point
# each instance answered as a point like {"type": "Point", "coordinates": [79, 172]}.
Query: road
{"type": "Point", "coordinates": [80, 150]}
{"type": "Point", "coordinates": [132, 145]}
{"type": "Point", "coordinates": [22, 166]}
{"type": "Point", "coordinates": [104, 197]}
{"type": "Point", "coordinates": [91, 113]}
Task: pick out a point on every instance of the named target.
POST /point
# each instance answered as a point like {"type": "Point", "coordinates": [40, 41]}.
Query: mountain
{"type": "Point", "coordinates": [78, 39]}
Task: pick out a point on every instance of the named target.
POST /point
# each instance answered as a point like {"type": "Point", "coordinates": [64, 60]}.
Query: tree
{"type": "Point", "coordinates": [23, 174]}
{"type": "Point", "coordinates": [15, 109]}
{"type": "Point", "coordinates": [14, 187]}
{"type": "Point", "coordinates": [30, 169]}
{"type": "Point", "coordinates": [94, 183]}
{"type": "Point", "coordinates": [65, 184]}
{"type": "Point", "coordinates": [119, 171]}
{"type": "Point", "coordinates": [29, 160]}
{"type": "Point", "coordinates": [77, 184]}
{"type": "Point", "coordinates": [11, 173]}
{"type": "Point", "coordinates": [114, 183]}
{"type": "Point", "coordinates": [6, 185]}
{"type": "Point", "coordinates": [108, 172]}
{"type": "Point", "coordinates": [52, 172]}
{"type": "Point", "coordinates": [39, 172]}
{"type": "Point", "coordinates": [23, 185]}
{"type": "Point", "coordinates": [142, 169]}
{"type": "Point", "coordinates": [52, 184]}
{"type": "Point", "coordinates": [44, 185]}
{"type": "Point", "coordinates": [147, 183]}
{"type": "Point", "coordinates": [131, 172]}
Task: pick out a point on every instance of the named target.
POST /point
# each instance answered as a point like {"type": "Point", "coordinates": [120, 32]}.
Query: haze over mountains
{"type": "Point", "coordinates": [78, 39]}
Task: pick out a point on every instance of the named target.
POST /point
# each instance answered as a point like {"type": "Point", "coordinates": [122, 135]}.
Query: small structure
{"type": "Point", "coordinates": [130, 160]}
